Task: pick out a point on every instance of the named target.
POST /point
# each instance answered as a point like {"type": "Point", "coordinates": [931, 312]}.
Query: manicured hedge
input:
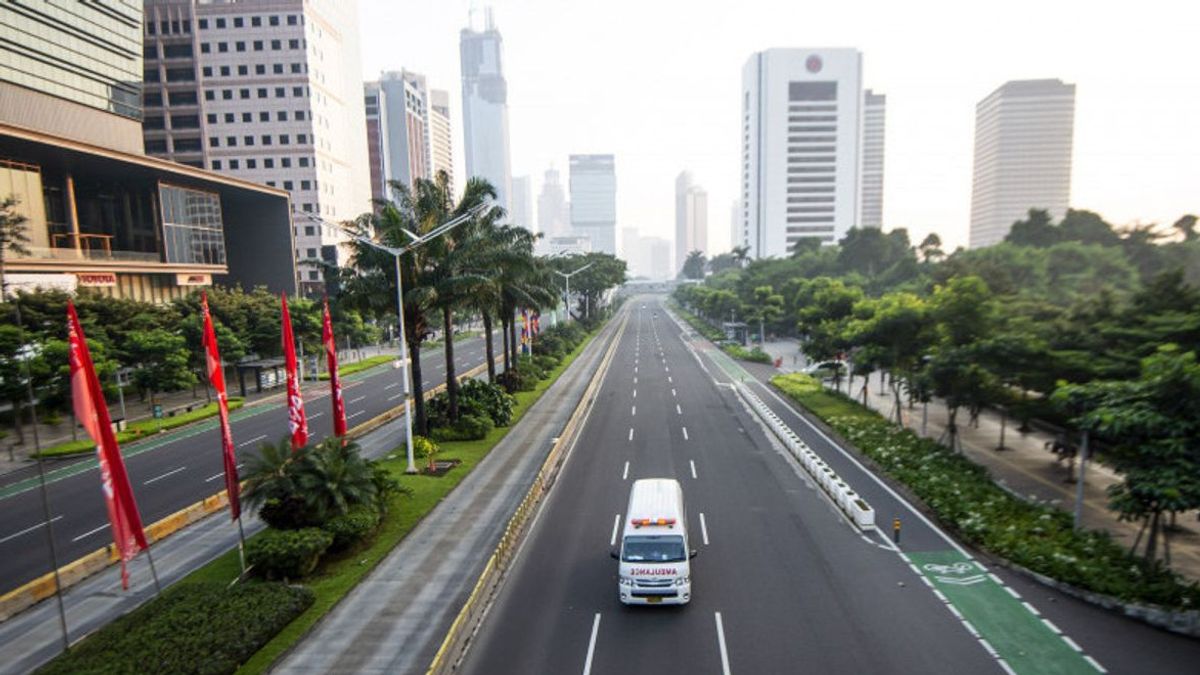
{"type": "Point", "coordinates": [352, 527]}
{"type": "Point", "coordinates": [197, 628]}
{"type": "Point", "coordinates": [756, 355]}
{"type": "Point", "coordinates": [287, 554]}
{"type": "Point", "coordinates": [968, 502]}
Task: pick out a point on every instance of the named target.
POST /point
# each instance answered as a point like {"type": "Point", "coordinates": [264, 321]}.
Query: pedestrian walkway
{"type": "Point", "coordinates": [1024, 466]}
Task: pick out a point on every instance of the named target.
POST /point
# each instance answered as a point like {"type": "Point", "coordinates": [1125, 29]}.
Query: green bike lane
{"type": "Point", "coordinates": [1009, 628]}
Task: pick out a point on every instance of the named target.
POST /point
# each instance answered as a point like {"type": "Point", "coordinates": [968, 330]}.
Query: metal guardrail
{"type": "Point", "coordinates": [454, 645]}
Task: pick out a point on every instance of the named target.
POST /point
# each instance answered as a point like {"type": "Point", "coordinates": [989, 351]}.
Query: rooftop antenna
{"type": "Point", "coordinates": [489, 19]}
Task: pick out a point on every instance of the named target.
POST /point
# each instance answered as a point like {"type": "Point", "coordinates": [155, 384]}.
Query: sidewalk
{"type": "Point", "coordinates": [1025, 467]}
{"type": "Point", "coordinates": [50, 435]}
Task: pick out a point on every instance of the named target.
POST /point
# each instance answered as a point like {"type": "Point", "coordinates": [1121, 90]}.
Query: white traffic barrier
{"type": "Point", "coordinates": [847, 500]}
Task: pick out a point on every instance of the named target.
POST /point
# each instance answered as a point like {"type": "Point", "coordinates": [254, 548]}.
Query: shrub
{"type": "Point", "coordinates": [289, 512]}
{"type": "Point", "coordinates": [351, 527]}
{"type": "Point", "coordinates": [969, 503]}
{"type": "Point", "coordinates": [550, 344]}
{"type": "Point", "coordinates": [468, 428]}
{"type": "Point", "coordinates": [755, 355]}
{"type": "Point", "coordinates": [475, 397]}
{"type": "Point", "coordinates": [546, 363]}
{"type": "Point", "coordinates": [193, 628]}
{"type": "Point", "coordinates": [306, 487]}
{"type": "Point", "coordinates": [287, 554]}
{"type": "Point", "coordinates": [516, 379]}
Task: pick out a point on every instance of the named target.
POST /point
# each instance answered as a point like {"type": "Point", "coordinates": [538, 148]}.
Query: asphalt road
{"type": "Point", "coordinates": [782, 583]}
{"type": "Point", "coordinates": [181, 467]}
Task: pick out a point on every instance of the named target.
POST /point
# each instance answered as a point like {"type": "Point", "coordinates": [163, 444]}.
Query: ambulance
{"type": "Point", "coordinates": [654, 557]}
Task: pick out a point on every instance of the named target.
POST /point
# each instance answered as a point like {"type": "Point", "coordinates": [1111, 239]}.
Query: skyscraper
{"type": "Point", "coordinates": [552, 215]}
{"type": "Point", "coordinates": [735, 224]}
{"type": "Point", "coordinates": [269, 91]}
{"type": "Point", "coordinates": [522, 203]}
{"type": "Point", "coordinates": [408, 135]}
{"type": "Point", "coordinates": [594, 200]}
{"type": "Point", "coordinates": [441, 144]}
{"type": "Point", "coordinates": [485, 108]}
{"type": "Point", "coordinates": [871, 201]}
{"type": "Point", "coordinates": [801, 147]}
{"type": "Point", "coordinates": [1023, 138]}
{"type": "Point", "coordinates": [691, 218]}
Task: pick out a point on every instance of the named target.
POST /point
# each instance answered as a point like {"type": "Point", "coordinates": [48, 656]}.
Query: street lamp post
{"type": "Point", "coordinates": [417, 240]}
{"type": "Point", "coordinates": [567, 276]}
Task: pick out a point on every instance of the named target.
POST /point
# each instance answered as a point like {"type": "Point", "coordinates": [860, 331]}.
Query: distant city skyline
{"type": "Point", "coordinates": [1134, 136]}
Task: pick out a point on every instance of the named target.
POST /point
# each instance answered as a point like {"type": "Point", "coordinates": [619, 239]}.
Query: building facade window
{"type": "Point", "coordinates": [192, 226]}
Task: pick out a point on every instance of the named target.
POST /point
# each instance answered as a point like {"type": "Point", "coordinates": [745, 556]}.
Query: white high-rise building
{"type": "Point", "coordinates": [522, 203]}
{"type": "Point", "coordinates": [441, 138]}
{"type": "Point", "coordinates": [691, 218]}
{"type": "Point", "coordinates": [275, 88]}
{"type": "Point", "coordinates": [801, 137]}
{"type": "Point", "coordinates": [1023, 138]}
{"type": "Point", "coordinates": [735, 224]}
{"type": "Point", "coordinates": [871, 201]}
{"type": "Point", "coordinates": [485, 108]}
{"type": "Point", "coordinates": [552, 212]}
{"type": "Point", "coordinates": [398, 131]}
{"type": "Point", "coordinates": [594, 200]}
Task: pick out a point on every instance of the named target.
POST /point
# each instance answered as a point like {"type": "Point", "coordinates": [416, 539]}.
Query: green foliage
{"type": "Point", "coordinates": [969, 503]}
{"type": "Point", "coordinates": [162, 361]}
{"type": "Point", "coordinates": [198, 628]}
{"type": "Point", "coordinates": [351, 528]}
{"type": "Point", "coordinates": [467, 428]}
{"type": "Point", "coordinates": [311, 485]}
{"type": "Point", "coordinates": [141, 429]}
{"type": "Point", "coordinates": [475, 398]}
{"type": "Point", "coordinates": [359, 366]}
{"type": "Point", "coordinates": [693, 266]}
{"type": "Point", "coordinates": [755, 354]}
{"type": "Point", "coordinates": [287, 554]}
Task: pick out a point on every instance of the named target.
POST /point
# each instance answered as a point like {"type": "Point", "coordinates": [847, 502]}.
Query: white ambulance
{"type": "Point", "coordinates": [654, 553]}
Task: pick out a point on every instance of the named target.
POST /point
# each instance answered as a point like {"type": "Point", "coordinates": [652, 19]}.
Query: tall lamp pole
{"type": "Point", "coordinates": [567, 276]}
{"type": "Point", "coordinates": [396, 253]}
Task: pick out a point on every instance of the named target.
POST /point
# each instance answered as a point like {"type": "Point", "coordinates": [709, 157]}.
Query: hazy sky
{"type": "Point", "coordinates": [656, 82]}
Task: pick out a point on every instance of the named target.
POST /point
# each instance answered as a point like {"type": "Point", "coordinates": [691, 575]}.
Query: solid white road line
{"type": "Point", "coordinates": [685, 436]}
{"type": "Point", "coordinates": [693, 465]}
{"type": "Point", "coordinates": [172, 472]}
{"type": "Point", "coordinates": [1095, 664]}
{"type": "Point", "coordinates": [720, 642]}
{"type": "Point", "coordinates": [587, 664]}
{"type": "Point", "coordinates": [252, 441]}
{"type": "Point", "coordinates": [625, 473]}
{"type": "Point", "coordinates": [90, 532]}
{"type": "Point", "coordinates": [14, 535]}
{"type": "Point", "coordinates": [704, 529]}
{"type": "Point", "coordinates": [612, 541]}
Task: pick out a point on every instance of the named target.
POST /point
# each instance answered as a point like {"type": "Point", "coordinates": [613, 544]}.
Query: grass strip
{"type": "Point", "coordinates": [357, 366]}
{"type": "Point", "coordinates": [968, 502]}
{"type": "Point", "coordinates": [338, 575]}
{"type": "Point", "coordinates": [139, 430]}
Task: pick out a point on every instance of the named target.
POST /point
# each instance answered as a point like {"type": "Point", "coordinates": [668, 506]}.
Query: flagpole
{"type": "Point", "coordinates": [153, 572]}
{"type": "Point", "coordinates": [62, 610]}
{"type": "Point", "coordinates": [241, 544]}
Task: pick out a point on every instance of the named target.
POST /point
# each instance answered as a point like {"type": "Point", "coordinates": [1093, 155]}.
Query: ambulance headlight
{"type": "Point", "coordinates": [625, 581]}
{"type": "Point", "coordinates": [682, 581]}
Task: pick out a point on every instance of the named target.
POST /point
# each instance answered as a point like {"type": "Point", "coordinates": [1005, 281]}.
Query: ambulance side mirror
{"type": "Point", "coordinates": [615, 556]}
{"type": "Point", "coordinates": [692, 554]}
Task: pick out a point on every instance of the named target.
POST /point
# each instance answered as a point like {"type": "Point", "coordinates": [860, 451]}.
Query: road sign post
{"type": "Point", "coordinates": [896, 530]}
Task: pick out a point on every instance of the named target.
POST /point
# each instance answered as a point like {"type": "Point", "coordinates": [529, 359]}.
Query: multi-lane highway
{"type": "Point", "coordinates": [180, 468]}
{"type": "Point", "coordinates": [783, 583]}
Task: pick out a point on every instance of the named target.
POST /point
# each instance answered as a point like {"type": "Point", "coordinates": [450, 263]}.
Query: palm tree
{"type": "Point", "coordinates": [334, 477]}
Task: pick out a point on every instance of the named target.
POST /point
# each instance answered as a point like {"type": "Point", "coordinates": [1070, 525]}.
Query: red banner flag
{"type": "Point", "coordinates": [335, 382]}
{"type": "Point", "coordinates": [92, 412]}
{"type": "Point", "coordinates": [297, 422]}
{"type": "Point", "coordinates": [216, 377]}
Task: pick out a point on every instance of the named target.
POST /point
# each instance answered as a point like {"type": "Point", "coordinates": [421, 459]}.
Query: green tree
{"type": "Point", "coordinates": [693, 266]}
{"type": "Point", "coordinates": [1186, 226]}
{"type": "Point", "coordinates": [1152, 428]}
{"type": "Point", "coordinates": [931, 248]}
{"type": "Point", "coordinates": [13, 238]}
{"type": "Point", "coordinates": [1037, 230]}
{"type": "Point", "coordinates": [964, 313]}
{"type": "Point", "coordinates": [896, 331]}
{"type": "Point", "coordinates": [163, 362]}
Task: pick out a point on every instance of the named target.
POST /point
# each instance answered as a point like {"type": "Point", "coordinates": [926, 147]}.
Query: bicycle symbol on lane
{"type": "Point", "coordinates": [942, 573]}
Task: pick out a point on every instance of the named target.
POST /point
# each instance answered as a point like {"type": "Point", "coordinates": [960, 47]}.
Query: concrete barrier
{"type": "Point", "coordinates": [33, 592]}
{"type": "Point", "coordinates": [846, 499]}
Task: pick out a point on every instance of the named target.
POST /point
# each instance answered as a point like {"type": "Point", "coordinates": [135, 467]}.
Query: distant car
{"type": "Point", "coordinates": [825, 368]}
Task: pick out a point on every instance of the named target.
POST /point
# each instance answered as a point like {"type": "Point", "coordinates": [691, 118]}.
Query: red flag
{"type": "Point", "coordinates": [297, 422]}
{"type": "Point", "coordinates": [335, 382]}
{"type": "Point", "coordinates": [216, 377]}
{"type": "Point", "coordinates": [92, 412]}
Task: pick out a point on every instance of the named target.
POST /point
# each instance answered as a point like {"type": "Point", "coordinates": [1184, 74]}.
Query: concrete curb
{"type": "Point", "coordinates": [41, 588]}
{"type": "Point", "coordinates": [458, 637]}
